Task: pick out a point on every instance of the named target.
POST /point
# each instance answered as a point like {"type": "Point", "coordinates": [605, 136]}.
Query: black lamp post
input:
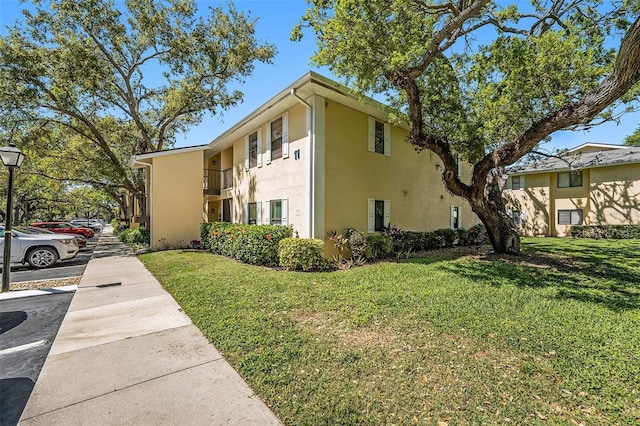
{"type": "Point", "coordinates": [12, 158]}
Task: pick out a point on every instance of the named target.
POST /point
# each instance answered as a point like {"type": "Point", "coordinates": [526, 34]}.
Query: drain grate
{"type": "Point", "coordinates": [108, 285]}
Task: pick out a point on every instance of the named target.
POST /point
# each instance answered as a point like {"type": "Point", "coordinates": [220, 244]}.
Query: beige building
{"type": "Point", "coordinates": [593, 184]}
{"type": "Point", "coordinates": [316, 157]}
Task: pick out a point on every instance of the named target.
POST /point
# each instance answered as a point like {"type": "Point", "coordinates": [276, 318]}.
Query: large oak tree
{"type": "Point", "coordinates": [85, 83]}
{"type": "Point", "coordinates": [484, 80]}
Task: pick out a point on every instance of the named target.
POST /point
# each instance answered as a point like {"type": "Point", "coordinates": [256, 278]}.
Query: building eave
{"type": "Point", "coordinates": [139, 160]}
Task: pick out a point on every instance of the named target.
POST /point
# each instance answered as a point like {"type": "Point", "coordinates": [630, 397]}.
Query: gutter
{"type": "Point", "coordinates": [312, 169]}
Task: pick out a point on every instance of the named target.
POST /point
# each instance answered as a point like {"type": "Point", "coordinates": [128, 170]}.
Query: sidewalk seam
{"type": "Point", "coordinates": [123, 388]}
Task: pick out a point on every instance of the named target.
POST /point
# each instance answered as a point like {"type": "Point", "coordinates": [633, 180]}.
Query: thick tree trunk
{"type": "Point", "coordinates": [491, 210]}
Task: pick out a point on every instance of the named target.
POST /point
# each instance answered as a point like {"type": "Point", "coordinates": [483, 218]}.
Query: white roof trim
{"type": "Point", "coordinates": [308, 85]}
{"type": "Point", "coordinates": [596, 145]}
{"type": "Point", "coordinates": [135, 160]}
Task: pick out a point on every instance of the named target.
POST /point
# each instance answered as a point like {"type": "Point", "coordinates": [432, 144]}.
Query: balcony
{"type": "Point", "coordinates": [211, 183]}
{"type": "Point", "coordinates": [137, 208]}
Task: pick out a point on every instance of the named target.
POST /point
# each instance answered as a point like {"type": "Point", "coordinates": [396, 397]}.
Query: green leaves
{"type": "Point", "coordinates": [108, 80]}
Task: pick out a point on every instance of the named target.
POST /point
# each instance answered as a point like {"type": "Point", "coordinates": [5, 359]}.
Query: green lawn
{"type": "Point", "coordinates": [550, 337]}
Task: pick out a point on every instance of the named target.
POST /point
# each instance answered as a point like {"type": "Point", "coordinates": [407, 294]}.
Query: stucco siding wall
{"type": "Point", "coordinates": [534, 199]}
{"type": "Point", "coordinates": [615, 195]}
{"type": "Point", "coordinates": [410, 180]}
{"type": "Point", "coordinates": [575, 198]}
{"type": "Point", "coordinates": [177, 198]}
{"type": "Point", "coordinates": [279, 179]}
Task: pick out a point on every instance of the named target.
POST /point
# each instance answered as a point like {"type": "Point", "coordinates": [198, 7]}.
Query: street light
{"type": "Point", "coordinates": [12, 158]}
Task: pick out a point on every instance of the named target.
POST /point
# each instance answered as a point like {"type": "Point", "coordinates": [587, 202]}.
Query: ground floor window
{"type": "Point", "coordinates": [570, 217]}
{"type": "Point", "coordinates": [379, 215]}
{"type": "Point", "coordinates": [226, 210]}
{"type": "Point", "coordinates": [455, 217]}
{"type": "Point", "coordinates": [253, 213]}
{"type": "Point", "coordinates": [276, 212]}
{"type": "Point", "coordinates": [518, 217]}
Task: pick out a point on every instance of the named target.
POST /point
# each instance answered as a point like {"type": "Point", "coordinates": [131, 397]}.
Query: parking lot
{"type": "Point", "coordinates": [28, 326]}
{"type": "Point", "coordinates": [70, 268]}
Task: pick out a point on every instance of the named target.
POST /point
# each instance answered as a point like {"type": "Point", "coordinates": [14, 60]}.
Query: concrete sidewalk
{"type": "Point", "coordinates": [127, 354]}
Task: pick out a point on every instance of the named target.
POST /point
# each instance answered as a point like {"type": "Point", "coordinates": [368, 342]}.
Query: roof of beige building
{"type": "Point", "coordinates": [579, 161]}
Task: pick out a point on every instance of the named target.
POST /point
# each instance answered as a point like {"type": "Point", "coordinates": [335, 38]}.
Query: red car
{"type": "Point", "coordinates": [64, 228]}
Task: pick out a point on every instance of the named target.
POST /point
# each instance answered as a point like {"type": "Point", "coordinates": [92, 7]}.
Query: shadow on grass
{"type": "Point", "coordinates": [587, 271]}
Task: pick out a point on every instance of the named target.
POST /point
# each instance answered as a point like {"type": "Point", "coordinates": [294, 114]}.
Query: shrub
{"type": "Point", "coordinates": [357, 243]}
{"type": "Point", "coordinates": [380, 246]}
{"type": "Point", "coordinates": [474, 236]}
{"type": "Point", "coordinates": [617, 232]}
{"type": "Point", "coordinates": [136, 236]}
{"type": "Point", "coordinates": [301, 254]}
{"type": "Point", "coordinates": [252, 244]}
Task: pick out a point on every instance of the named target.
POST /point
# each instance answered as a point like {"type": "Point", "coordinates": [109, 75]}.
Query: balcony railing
{"type": "Point", "coordinates": [212, 181]}
{"type": "Point", "coordinates": [227, 178]}
{"type": "Point", "coordinates": [137, 208]}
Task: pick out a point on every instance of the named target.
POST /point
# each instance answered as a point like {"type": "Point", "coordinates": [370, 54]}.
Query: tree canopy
{"type": "Point", "coordinates": [484, 80]}
{"type": "Point", "coordinates": [85, 84]}
{"type": "Point", "coordinates": [633, 139]}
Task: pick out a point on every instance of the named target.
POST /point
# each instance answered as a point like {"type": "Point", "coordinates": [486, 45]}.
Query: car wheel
{"type": "Point", "coordinates": [42, 257]}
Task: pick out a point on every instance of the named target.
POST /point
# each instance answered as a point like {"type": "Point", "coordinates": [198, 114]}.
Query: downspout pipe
{"type": "Point", "coordinates": [311, 182]}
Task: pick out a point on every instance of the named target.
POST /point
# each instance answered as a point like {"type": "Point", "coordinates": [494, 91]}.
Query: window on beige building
{"type": "Point", "coordinates": [570, 179]}
{"type": "Point", "coordinates": [379, 137]}
{"type": "Point", "coordinates": [570, 217]}
{"type": "Point", "coordinates": [379, 215]}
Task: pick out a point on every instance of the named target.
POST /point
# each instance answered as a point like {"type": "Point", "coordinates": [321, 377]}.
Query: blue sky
{"type": "Point", "coordinates": [276, 19]}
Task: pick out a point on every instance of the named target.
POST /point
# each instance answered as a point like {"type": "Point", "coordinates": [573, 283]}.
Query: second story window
{"type": "Point", "coordinates": [276, 139]}
{"type": "Point", "coordinates": [379, 137]}
{"type": "Point", "coordinates": [570, 179]}
{"type": "Point", "coordinates": [253, 149]}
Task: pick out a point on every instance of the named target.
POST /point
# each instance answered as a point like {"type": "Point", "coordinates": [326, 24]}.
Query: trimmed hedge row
{"type": "Point", "coordinates": [411, 241]}
{"type": "Point", "coordinates": [616, 232]}
{"type": "Point", "coordinates": [252, 244]}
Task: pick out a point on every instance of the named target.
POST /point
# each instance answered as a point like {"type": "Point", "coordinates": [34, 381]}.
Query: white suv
{"type": "Point", "coordinates": [39, 250]}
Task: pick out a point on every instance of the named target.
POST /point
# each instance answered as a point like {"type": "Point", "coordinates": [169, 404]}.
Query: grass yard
{"type": "Point", "coordinates": [550, 337]}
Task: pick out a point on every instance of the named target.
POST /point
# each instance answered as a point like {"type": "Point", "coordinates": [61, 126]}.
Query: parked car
{"type": "Point", "coordinates": [65, 228]}
{"type": "Point", "coordinates": [80, 239]}
{"type": "Point", "coordinates": [88, 223]}
{"type": "Point", "coordinates": [39, 250]}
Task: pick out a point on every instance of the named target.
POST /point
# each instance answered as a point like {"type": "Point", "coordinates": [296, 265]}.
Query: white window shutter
{"type": "Point", "coordinates": [267, 213]}
{"type": "Point", "coordinates": [259, 148]}
{"type": "Point", "coordinates": [387, 213]}
{"type": "Point", "coordinates": [371, 216]}
{"type": "Point", "coordinates": [509, 183]}
{"type": "Point", "coordinates": [285, 211]}
{"type": "Point", "coordinates": [245, 214]}
{"type": "Point", "coordinates": [267, 143]}
{"type": "Point", "coordinates": [452, 218]}
{"type": "Point", "coordinates": [246, 153]}
{"type": "Point", "coordinates": [285, 135]}
{"type": "Point", "coordinates": [372, 134]}
{"type": "Point", "coordinates": [459, 217]}
{"type": "Point", "coordinates": [258, 213]}
{"type": "Point", "coordinates": [459, 164]}
{"type": "Point", "coordinates": [387, 139]}
{"type": "Point", "coordinates": [523, 217]}
{"type": "Point", "coordinates": [522, 186]}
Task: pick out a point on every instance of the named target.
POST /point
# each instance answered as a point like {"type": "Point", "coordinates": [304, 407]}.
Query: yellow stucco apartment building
{"type": "Point", "coordinates": [593, 184]}
{"type": "Point", "coordinates": [315, 157]}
